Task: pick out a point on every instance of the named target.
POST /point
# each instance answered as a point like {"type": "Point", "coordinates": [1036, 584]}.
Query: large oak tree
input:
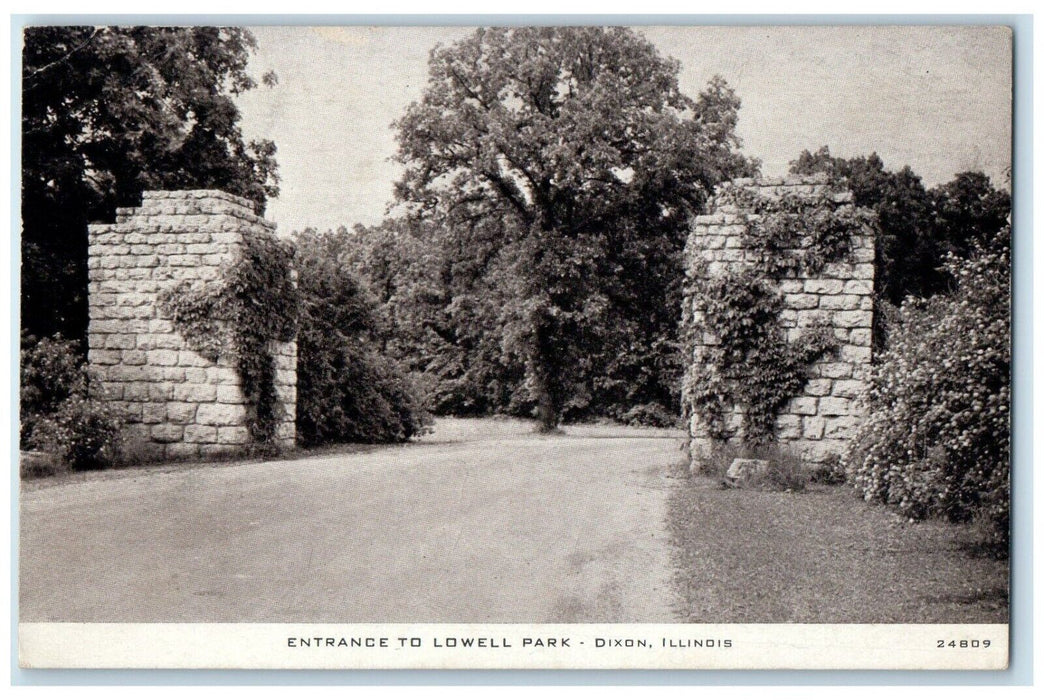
{"type": "Point", "coordinates": [570, 157]}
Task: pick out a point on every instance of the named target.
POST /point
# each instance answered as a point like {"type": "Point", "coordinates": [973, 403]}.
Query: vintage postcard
{"type": "Point", "coordinates": [515, 347]}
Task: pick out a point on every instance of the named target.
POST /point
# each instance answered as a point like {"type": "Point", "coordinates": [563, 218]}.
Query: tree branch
{"type": "Point", "coordinates": [61, 59]}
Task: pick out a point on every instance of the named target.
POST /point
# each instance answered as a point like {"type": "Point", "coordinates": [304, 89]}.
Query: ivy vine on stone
{"type": "Point", "coordinates": [748, 364]}
{"type": "Point", "coordinates": [239, 316]}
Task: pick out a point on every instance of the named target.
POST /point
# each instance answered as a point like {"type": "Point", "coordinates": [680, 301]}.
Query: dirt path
{"type": "Point", "coordinates": [480, 522]}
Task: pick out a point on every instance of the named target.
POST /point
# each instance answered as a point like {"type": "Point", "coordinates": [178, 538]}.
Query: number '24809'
{"type": "Point", "coordinates": [962, 643]}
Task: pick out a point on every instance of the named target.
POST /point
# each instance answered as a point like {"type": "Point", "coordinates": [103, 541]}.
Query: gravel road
{"type": "Point", "coordinates": [481, 521]}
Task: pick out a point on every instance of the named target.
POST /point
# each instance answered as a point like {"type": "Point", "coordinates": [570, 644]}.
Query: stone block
{"type": "Point", "coordinates": [128, 373]}
{"type": "Point", "coordinates": [853, 319]}
{"type": "Point", "coordinates": [165, 432]}
{"type": "Point", "coordinates": [856, 354]}
{"type": "Point", "coordinates": [104, 357]}
{"type": "Point", "coordinates": [861, 287]}
{"type": "Point", "coordinates": [862, 255]}
{"type": "Point", "coordinates": [135, 357]}
{"type": "Point", "coordinates": [838, 270]}
{"type": "Point", "coordinates": [859, 336]}
{"type": "Point", "coordinates": [120, 341]}
{"type": "Point", "coordinates": [820, 451]}
{"type": "Point", "coordinates": [161, 391]}
{"type": "Point", "coordinates": [173, 374]}
{"type": "Point", "coordinates": [818, 387]}
{"type": "Point", "coordinates": [190, 358]}
{"type": "Point", "coordinates": [153, 412]}
{"type": "Point", "coordinates": [200, 433]}
{"type": "Point", "coordinates": [182, 451]}
{"type": "Point", "coordinates": [802, 406]}
{"type": "Point", "coordinates": [184, 261]}
{"type": "Point", "coordinates": [812, 427]}
{"type": "Point", "coordinates": [788, 427]}
{"type": "Point", "coordinates": [220, 414]}
{"type": "Point", "coordinates": [801, 301]}
{"type": "Point", "coordinates": [835, 370]}
{"type": "Point", "coordinates": [841, 428]}
{"type": "Point", "coordinates": [840, 302]}
{"type": "Point", "coordinates": [834, 406]}
{"type": "Point", "coordinates": [163, 358]}
{"type": "Point", "coordinates": [180, 413]}
{"type": "Point", "coordinates": [108, 391]}
{"type": "Point", "coordinates": [159, 341]}
{"type": "Point", "coordinates": [823, 286]}
{"type": "Point", "coordinates": [195, 392]}
{"type": "Point", "coordinates": [136, 391]}
{"type": "Point", "coordinates": [195, 375]}
{"type": "Point", "coordinates": [227, 393]}
{"type": "Point", "coordinates": [745, 469]}
{"type": "Point", "coordinates": [811, 317]}
{"type": "Point", "coordinates": [161, 326]}
{"type": "Point", "coordinates": [235, 435]}
{"type": "Point", "coordinates": [848, 388]}
{"type": "Point", "coordinates": [286, 431]}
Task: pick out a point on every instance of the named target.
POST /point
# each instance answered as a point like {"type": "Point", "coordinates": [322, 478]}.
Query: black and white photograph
{"type": "Point", "coordinates": [514, 346]}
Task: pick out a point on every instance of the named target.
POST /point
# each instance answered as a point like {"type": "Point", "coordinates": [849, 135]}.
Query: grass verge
{"type": "Point", "coordinates": [822, 556]}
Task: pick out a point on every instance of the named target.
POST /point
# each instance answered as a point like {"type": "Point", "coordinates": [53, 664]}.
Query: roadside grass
{"type": "Point", "coordinates": [822, 556]}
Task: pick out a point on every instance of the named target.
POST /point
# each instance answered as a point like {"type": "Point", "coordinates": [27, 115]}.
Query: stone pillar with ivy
{"type": "Point", "coordinates": [193, 313]}
{"type": "Point", "coordinates": [777, 317]}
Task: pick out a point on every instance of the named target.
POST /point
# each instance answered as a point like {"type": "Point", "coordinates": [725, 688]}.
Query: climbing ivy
{"type": "Point", "coordinates": [747, 362]}
{"type": "Point", "coordinates": [240, 315]}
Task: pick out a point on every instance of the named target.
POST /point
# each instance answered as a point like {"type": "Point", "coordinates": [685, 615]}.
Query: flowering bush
{"type": "Point", "coordinates": [936, 441]}
{"type": "Point", "coordinates": [57, 414]}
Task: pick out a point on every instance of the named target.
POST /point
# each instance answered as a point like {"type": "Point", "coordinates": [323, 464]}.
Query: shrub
{"type": "Point", "coordinates": [347, 391]}
{"type": "Point", "coordinates": [57, 414]}
{"type": "Point", "coordinates": [830, 472]}
{"type": "Point", "coordinates": [651, 414]}
{"type": "Point", "coordinates": [937, 438]}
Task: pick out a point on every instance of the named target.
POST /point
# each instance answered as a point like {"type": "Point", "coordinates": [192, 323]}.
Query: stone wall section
{"type": "Point", "coordinates": [175, 403]}
{"type": "Point", "coordinates": [818, 423]}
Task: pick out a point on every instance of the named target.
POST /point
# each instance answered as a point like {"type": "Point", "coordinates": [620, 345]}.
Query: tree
{"type": "Point", "coordinates": [968, 212]}
{"type": "Point", "coordinates": [571, 156]}
{"type": "Point", "coordinates": [442, 307]}
{"type": "Point", "coordinates": [108, 112]}
{"type": "Point", "coordinates": [347, 391]}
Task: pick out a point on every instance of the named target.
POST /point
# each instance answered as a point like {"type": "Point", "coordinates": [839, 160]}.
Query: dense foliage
{"type": "Point", "coordinates": [240, 316]}
{"type": "Point", "coordinates": [57, 413]}
{"type": "Point", "coordinates": [917, 227]}
{"type": "Point", "coordinates": [560, 166]}
{"type": "Point", "coordinates": [347, 390]}
{"type": "Point", "coordinates": [751, 366]}
{"type": "Point", "coordinates": [108, 112]}
{"type": "Point", "coordinates": [936, 439]}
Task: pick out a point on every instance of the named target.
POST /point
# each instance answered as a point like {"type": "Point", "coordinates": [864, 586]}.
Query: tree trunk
{"type": "Point", "coordinates": [547, 413]}
{"type": "Point", "coordinates": [542, 369]}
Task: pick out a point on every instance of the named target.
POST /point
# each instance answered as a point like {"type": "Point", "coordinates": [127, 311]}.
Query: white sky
{"type": "Point", "coordinates": [935, 98]}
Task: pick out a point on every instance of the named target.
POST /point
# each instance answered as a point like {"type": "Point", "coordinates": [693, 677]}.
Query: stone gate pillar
{"type": "Point", "coordinates": [819, 421]}
{"type": "Point", "coordinates": [175, 403]}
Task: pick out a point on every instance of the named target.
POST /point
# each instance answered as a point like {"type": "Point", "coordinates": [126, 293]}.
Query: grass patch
{"type": "Point", "coordinates": [754, 556]}
{"type": "Point", "coordinates": [785, 472]}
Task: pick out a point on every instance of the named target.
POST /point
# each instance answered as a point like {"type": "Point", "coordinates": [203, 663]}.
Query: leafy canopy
{"type": "Point", "coordinates": [574, 153]}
